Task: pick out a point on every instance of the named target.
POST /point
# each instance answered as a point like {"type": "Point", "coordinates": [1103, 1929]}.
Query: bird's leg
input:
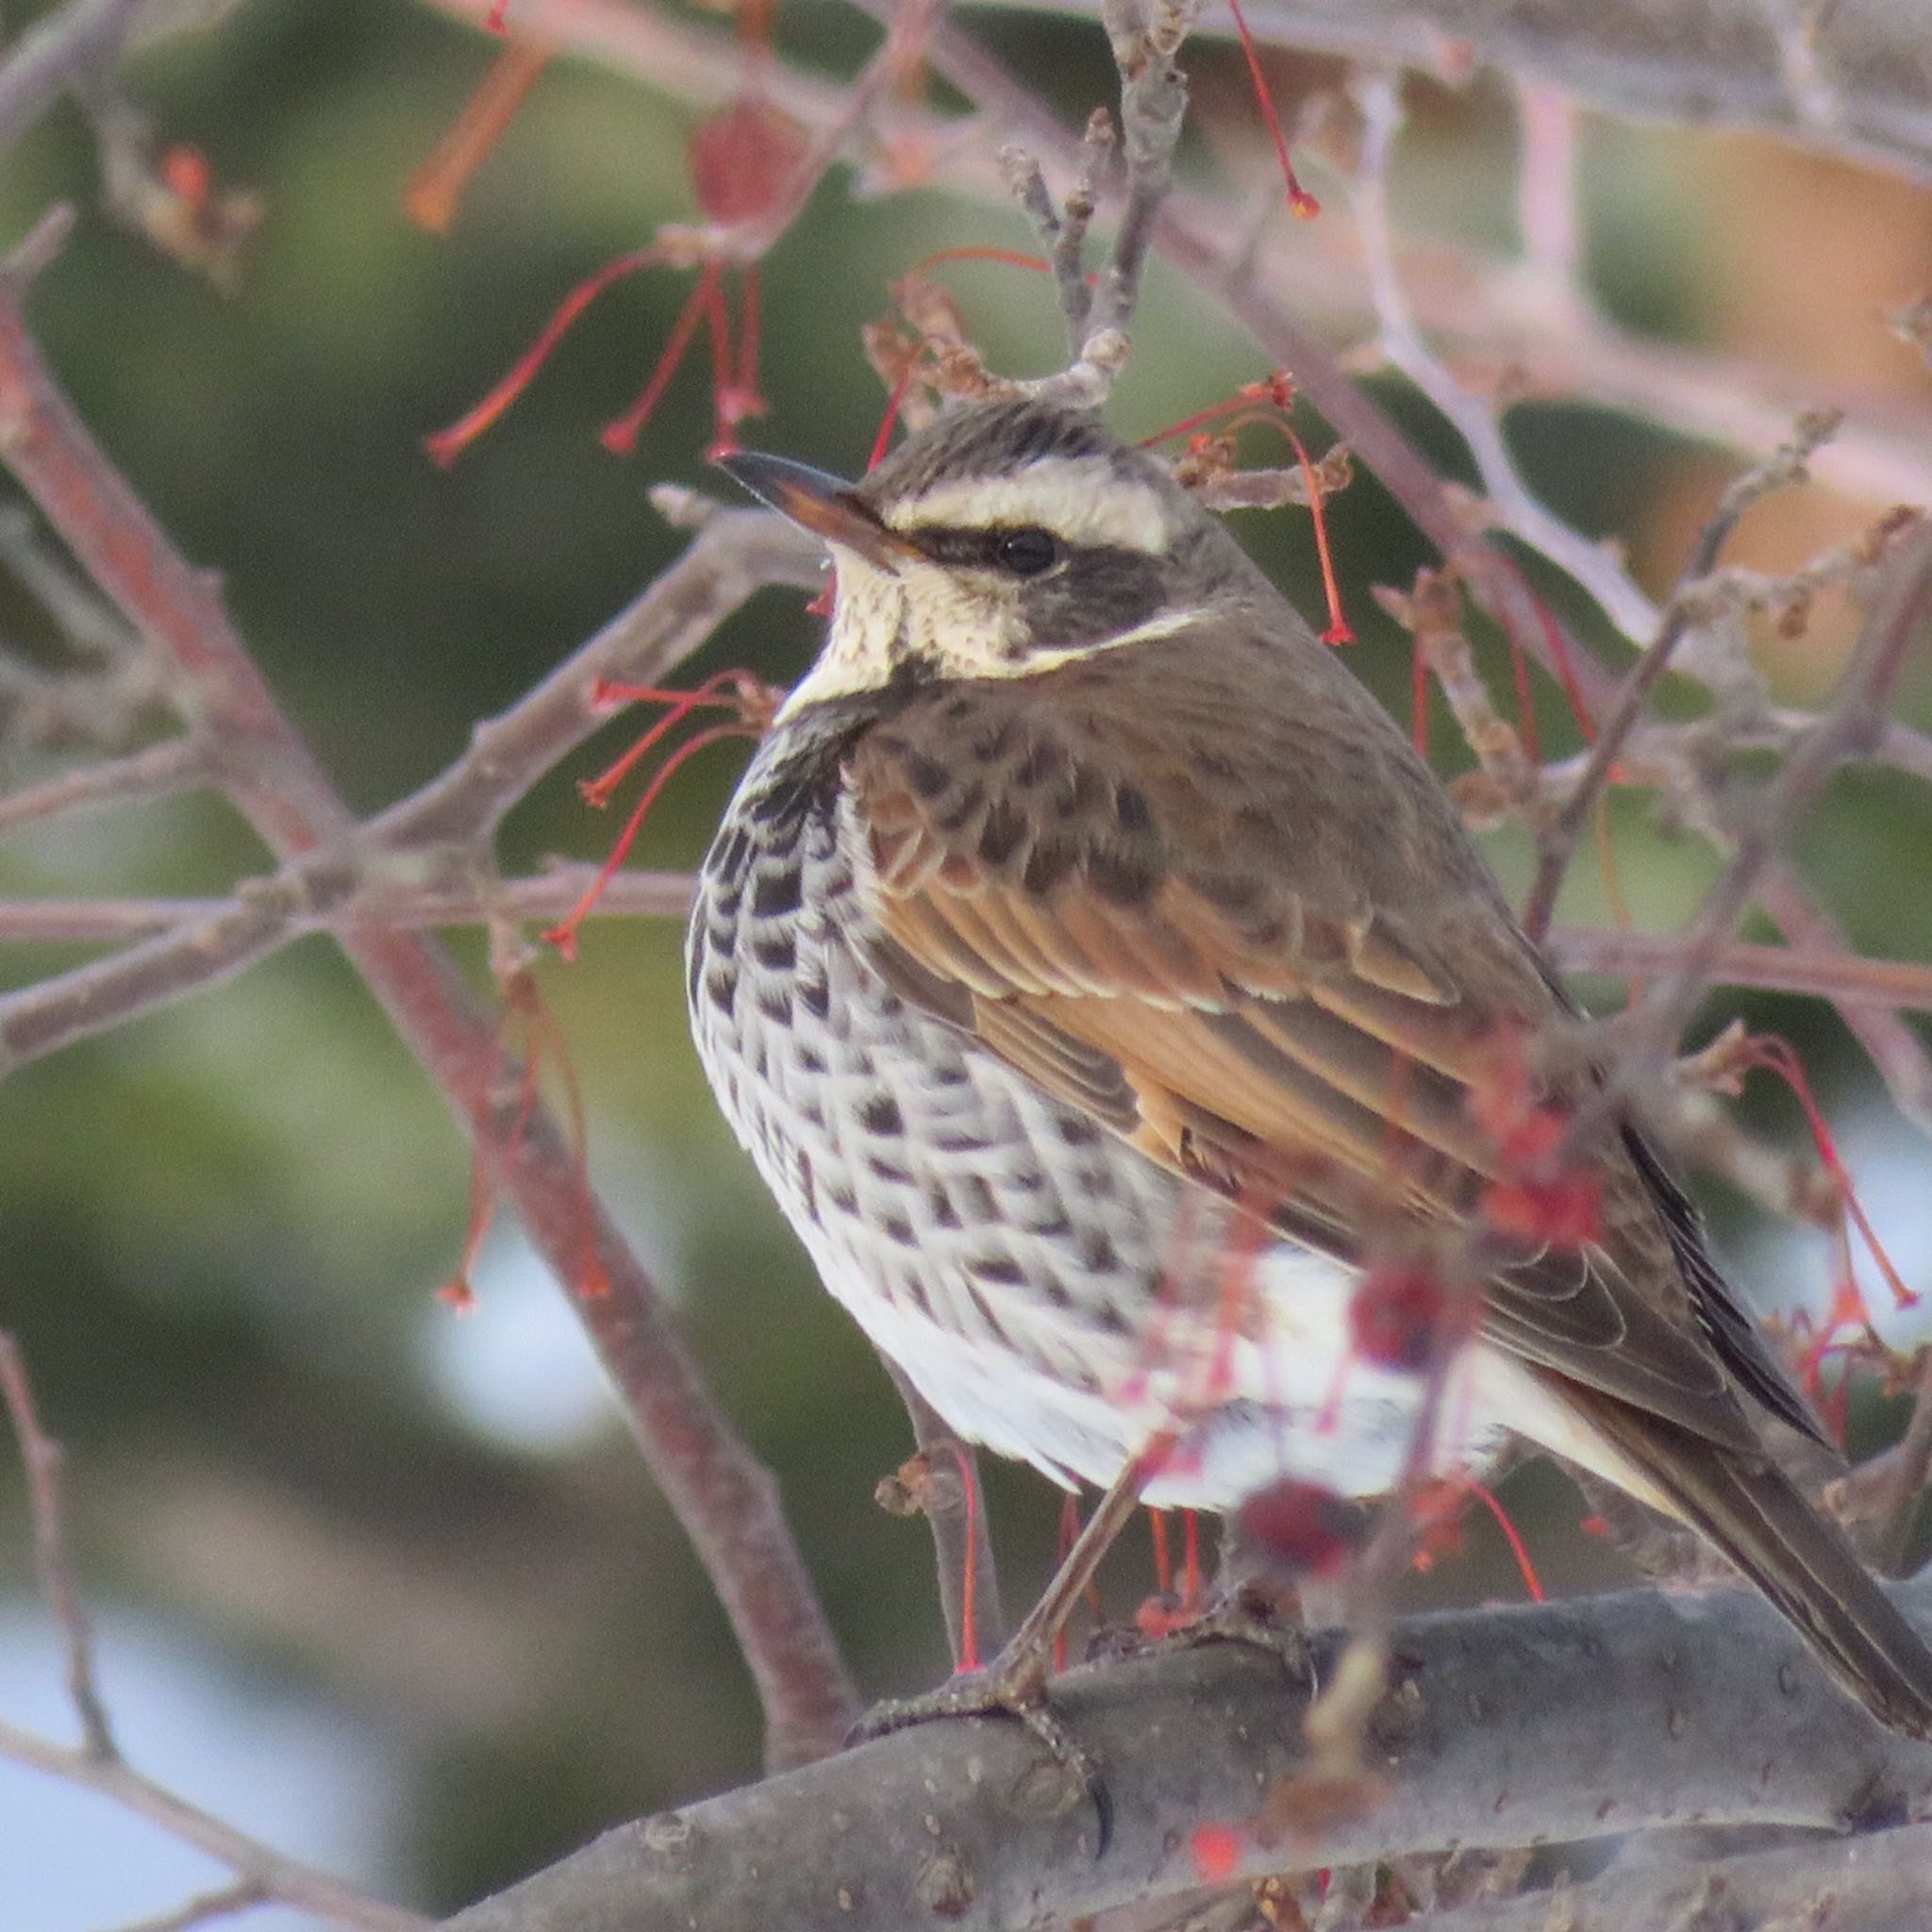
{"type": "Point", "coordinates": [1027, 1659]}
{"type": "Point", "coordinates": [1014, 1683]}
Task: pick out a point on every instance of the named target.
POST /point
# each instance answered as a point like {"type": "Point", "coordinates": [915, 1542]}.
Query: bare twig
{"type": "Point", "coordinates": [1145, 35]}
{"type": "Point", "coordinates": [176, 764]}
{"type": "Point", "coordinates": [1510, 502]}
{"type": "Point", "coordinates": [1891, 1044]}
{"type": "Point", "coordinates": [1881, 1497]}
{"type": "Point", "coordinates": [71, 47]}
{"type": "Point", "coordinates": [430, 851]}
{"type": "Point", "coordinates": [52, 1563]}
{"type": "Point", "coordinates": [206, 1906]}
{"type": "Point", "coordinates": [1696, 63]}
{"type": "Point", "coordinates": [1834, 973]}
{"type": "Point", "coordinates": [287, 1880]}
{"type": "Point", "coordinates": [1896, 623]}
{"type": "Point", "coordinates": [945, 1489]}
{"type": "Point", "coordinates": [97, 1764]}
{"type": "Point", "coordinates": [1558, 843]}
{"type": "Point", "coordinates": [380, 902]}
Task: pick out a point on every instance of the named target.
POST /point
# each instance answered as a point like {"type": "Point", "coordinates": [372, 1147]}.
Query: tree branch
{"type": "Point", "coordinates": [725, 1501]}
{"type": "Point", "coordinates": [1580, 1720]}
{"type": "Point", "coordinates": [1696, 63]}
{"type": "Point", "coordinates": [1872, 1883]}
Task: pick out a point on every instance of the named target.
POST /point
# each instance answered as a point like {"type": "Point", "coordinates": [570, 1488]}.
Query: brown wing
{"type": "Point", "coordinates": [1228, 915]}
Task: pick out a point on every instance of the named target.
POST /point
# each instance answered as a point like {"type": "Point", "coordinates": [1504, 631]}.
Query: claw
{"type": "Point", "coordinates": [1014, 1686]}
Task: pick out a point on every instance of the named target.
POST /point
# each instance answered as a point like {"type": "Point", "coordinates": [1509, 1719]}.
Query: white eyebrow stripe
{"type": "Point", "coordinates": [1082, 499]}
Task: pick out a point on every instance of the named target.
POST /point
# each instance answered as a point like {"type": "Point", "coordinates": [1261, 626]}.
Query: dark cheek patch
{"type": "Point", "coordinates": [1099, 593]}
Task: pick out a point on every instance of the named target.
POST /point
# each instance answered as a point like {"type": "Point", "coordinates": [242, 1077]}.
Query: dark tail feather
{"type": "Point", "coordinates": [1754, 1513]}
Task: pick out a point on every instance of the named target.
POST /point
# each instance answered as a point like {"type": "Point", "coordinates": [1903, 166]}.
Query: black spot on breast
{"type": "Point", "coordinates": [880, 1115]}
{"type": "Point", "coordinates": [1098, 1252]}
{"type": "Point", "coordinates": [1002, 1270]}
{"type": "Point", "coordinates": [1057, 1294]}
{"type": "Point", "coordinates": [728, 855]}
{"type": "Point", "coordinates": [1130, 806]}
{"type": "Point", "coordinates": [900, 1230]}
{"type": "Point", "coordinates": [938, 1203]}
{"type": "Point", "coordinates": [888, 1170]}
{"type": "Point", "coordinates": [815, 996]}
{"type": "Point", "coordinates": [1076, 1130]}
{"type": "Point", "coordinates": [986, 1314]}
{"type": "Point", "coordinates": [722, 987]}
{"type": "Point", "coordinates": [777, 893]}
{"type": "Point", "coordinates": [776, 952]}
{"type": "Point", "coordinates": [982, 1204]}
{"type": "Point", "coordinates": [775, 1003]}
{"type": "Point", "coordinates": [842, 1197]}
{"type": "Point", "coordinates": [807, 1186]}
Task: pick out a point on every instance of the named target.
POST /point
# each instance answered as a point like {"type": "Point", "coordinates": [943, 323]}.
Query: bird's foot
{"type": "Point", "coordinates": [1250, 1613]}
{"type": "Point", "coordinates": [1012, 1686]}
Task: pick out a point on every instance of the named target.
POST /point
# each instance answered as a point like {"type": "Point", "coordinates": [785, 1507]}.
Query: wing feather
{"type": "Point", "coordinates": [1286, 994]}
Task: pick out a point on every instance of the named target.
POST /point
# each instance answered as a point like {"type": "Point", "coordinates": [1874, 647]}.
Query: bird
{"type": "Point", "coordinates": [1114, 1002]}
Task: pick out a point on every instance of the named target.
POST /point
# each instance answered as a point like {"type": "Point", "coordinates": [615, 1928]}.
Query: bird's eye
{"type": "Point", "coordinates": [1027, 552]}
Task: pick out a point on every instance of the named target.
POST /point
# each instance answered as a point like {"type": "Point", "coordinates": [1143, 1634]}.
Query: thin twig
{"type": "Point", "coordinates": [1510, 499]}
{"type": "Point", "coordinates": [1880, 1498]}
{"type": "Point", "coordinates": [1897, 621]}
{"type": "Point", "coordinates": [176, 764]}
{"type": "Point", "coordinates": [953, 1501]}
{"type": "Point", "coordinates": [1557, 844]}
{"type": "Point", "coordinates": [1897, 1052]}
{"type": "Point", "coordinates": [290, 1881]}
{"type": "Point", "coordinates": [52, 1564]}
{"type": "Point", "coordinates": [1835, 974]}
{"type": "Point", "coordinates": [382, 901]}
{"type": "Point", "coordinates": [72, 45]}
{"type": "Point", "coordinates": [244, 1895]}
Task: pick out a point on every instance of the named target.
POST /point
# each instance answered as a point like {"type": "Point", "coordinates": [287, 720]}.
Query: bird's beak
{"type": "Point", "coordinates": [824, 505]}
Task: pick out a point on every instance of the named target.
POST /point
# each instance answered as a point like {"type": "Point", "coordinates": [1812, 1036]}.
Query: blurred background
{"type": "Point", "coordinates": [388, 1585]}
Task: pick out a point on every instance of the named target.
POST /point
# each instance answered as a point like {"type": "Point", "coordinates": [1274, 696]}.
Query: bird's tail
{"type": "Point", "coordinates": [1802, 1562]}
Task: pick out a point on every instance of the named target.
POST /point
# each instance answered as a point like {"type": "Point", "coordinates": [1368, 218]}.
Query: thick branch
{"type": "Point", "coordinates": [1863, 87]}
{"type": "Point", "coordinates": [1579, 1720]}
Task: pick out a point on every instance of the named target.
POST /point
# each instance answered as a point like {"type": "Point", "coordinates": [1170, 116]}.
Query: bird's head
{"type": "Point", "coordinates": [1000, 542]}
